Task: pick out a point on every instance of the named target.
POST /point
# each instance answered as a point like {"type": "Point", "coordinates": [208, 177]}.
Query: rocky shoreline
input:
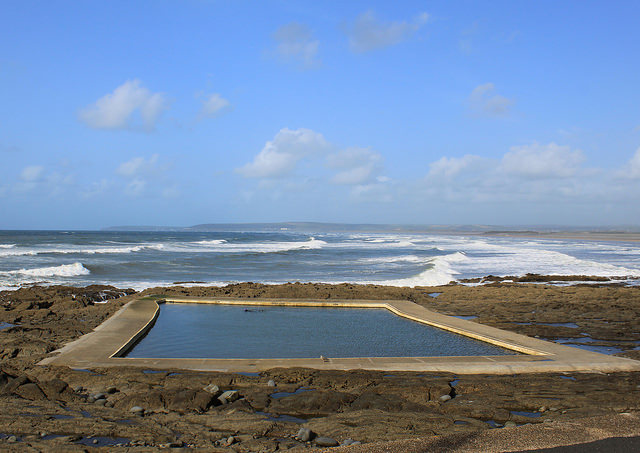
{"type": "Point", "coordinates": [129, 409]}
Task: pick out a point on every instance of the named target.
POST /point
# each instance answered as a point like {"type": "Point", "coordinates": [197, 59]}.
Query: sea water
{"type": "Point", "coordinates": [143, 259]}
{"type": "Point", "coordinates": [296, 332]}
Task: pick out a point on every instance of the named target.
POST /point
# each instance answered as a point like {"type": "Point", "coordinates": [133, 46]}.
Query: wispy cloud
{"type": "Point", "coordinates": [631, 169]}
{"type": "Point", "coordinates": [213, 105]}
{"type": "Point", "coordinates": [279, 156]}
{"type": "Point", "coordinates": [368, 33]}
{"type": "Point", "coordinates": [300, 160]}
{"type": "Point", "coordinates": [483, 100]}
{"type": "Point", "coordinates": [139, 171]}
{"type": "Point", "coordinates": [295, 43]}
{"type": "Point", "coordinates": [538, 161]}
{"type": "Point", "coordinates": [129, 106]}
{"type": "Point", "coordinates": [355, 166]}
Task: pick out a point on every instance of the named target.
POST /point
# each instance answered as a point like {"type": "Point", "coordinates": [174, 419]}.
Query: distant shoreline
{"type": "Point", "coordinates": [576, 235]}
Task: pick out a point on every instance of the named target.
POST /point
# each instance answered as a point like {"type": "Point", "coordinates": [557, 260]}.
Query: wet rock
{"type": "Point", "coordinates": [444, 398]}
{"type": "Point", "coordinates": [12, 439]}
{"type": "Point", "coordinates": [98, 396]}
{"type": "Point", "coordinates": [229, 396]}
{"type": "Point", "coordinates": [305, 434]}
{"type": "Point", "coordinates": [347, 442]}
{"type": "Point", "coordinates": [510, 424]}
{"type": "Point", "coordinates": [100, 402]}
{"type": "Point", "coordinates": [326, 442]}
{"type": "Point", "coordinates": [111, 390]}
{"type": "Point", "coordinates": [271, 383]}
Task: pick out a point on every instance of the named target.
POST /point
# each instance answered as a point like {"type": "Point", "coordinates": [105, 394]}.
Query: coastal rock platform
{"type": "Point", "coordinates": [62, 408]}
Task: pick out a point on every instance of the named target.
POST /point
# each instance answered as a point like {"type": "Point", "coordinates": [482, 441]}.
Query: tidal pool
{"type": "Point", "coordinates": [251, 332]}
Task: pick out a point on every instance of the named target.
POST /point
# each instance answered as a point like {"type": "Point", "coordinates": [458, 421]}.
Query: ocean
{"type": "Point", "coordinates": [145, 259]}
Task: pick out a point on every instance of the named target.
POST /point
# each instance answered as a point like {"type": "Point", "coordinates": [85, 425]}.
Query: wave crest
{"type": "Point", "coordinates": [65, 270]}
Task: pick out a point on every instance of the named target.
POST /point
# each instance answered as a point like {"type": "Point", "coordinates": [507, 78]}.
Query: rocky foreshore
{"type": "Point", "coordinates": [131, 409]}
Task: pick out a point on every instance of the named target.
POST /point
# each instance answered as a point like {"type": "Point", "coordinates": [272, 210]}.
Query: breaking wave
{"type": "Point", "coordinates": [65, 270]}
{"type": "Point", "coordinates": [440, 272]}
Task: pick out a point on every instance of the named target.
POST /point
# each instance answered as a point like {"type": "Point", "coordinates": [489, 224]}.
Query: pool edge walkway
{"type": "Point", "coordinates": [105, 346]}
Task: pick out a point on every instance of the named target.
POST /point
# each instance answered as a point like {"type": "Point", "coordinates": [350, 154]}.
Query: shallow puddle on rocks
{"type": "Point", "coordinates": [282, 418]}
{"type": "Point", "coordinates": [434, 295]}
{"type": "Point", "coordinates": [570, 378]}
{"type": "Point", "coordinates": [103, 441]}
{"type": "Point", "coordinates": [468, 318]}
{"type": "Point", "coordinates": [61, 416]}
{"type": "Point", "coordinates": [527, 414]}
{"type": "Point", "coordinates": [246, 373]}
{"type": "Point", "coordinates": [6, 325]}
{"type": "Point", "coordinates": [582, 343]}
{"type": "Point", "coordinates": [84, 370]}
{"type": "Point", "coordinates": [278, 395]}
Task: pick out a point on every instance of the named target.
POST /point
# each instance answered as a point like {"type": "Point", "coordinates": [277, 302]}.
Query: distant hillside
{"type": "Point", "coordinates": [319, 227]}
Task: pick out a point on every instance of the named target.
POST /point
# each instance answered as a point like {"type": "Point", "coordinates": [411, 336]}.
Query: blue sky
{"type": "Point", "coordinates": [178, 113]}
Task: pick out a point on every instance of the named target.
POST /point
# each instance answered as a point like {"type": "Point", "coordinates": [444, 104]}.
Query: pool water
{"type": "Point", "coordinates": [250, 332]}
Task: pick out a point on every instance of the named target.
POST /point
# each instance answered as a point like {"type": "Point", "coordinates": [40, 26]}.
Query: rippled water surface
{"type": "Point", "coordinates": [246, 332]}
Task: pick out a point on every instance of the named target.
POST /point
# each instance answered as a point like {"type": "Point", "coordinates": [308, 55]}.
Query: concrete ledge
{"type": "Point", "coordinates": [105, 346]}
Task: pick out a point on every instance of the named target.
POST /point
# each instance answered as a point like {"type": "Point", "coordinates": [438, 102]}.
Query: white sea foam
{"type": "Point", "coordinates": [439, 272]}
{"type": "Point", "coordinates": [244, 247]}
{"type": "Point", "coordinates": [393, 259]}
{"type": "Point", "coordinates": [7, 246]}
{"type": "Point", "coordinates": [64, 270]}
{"type": "Point", "coordinates": [84, 250]}
{"type": "Point", "coordinates": [211, 242]}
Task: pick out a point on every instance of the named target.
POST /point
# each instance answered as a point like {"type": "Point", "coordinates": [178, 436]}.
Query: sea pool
{"type": "Point", "coordinates": [250, 332]}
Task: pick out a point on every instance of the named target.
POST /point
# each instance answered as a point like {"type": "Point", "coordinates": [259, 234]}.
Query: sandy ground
{"type": "Point", "coordinates": [59, 409]}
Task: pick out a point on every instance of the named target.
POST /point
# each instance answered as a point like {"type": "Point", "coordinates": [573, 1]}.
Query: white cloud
{"type": "Point", "coordinates": [137, 166]}
{"type": "Point", "coordinates": [32, 173]}
{"type": "Point", "coordinates": [49, 181]}
{"type": "Point", "coordinates": [130, 106]}
{"type": "Point", "coordinates": [483, 100]}
{"type": "Point", "coordinates": [368, 33]}
{"type": "Point", "coordinates": [355, 165]}
{"type": "Point", "coordinates": [279, 157]}
{"type": "Point", "coordinates": [138, 171]}
{"type": "Point", "coordinates": [212, 105]}
{"type": "Point", "coordinates": [295, 43]}
{"type": "Point", "coordinates": [448, 167]}
{"type": "Point", "coordinates": [542, 161]}
{"type": "Point", "coordinates": [135, 187]}
{"type": "Point", "coordinates": [632, 168]}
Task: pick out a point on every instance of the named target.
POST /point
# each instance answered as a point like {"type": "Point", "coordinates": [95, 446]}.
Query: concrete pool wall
{"type": "Point", "coordinates": [109, 342]}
